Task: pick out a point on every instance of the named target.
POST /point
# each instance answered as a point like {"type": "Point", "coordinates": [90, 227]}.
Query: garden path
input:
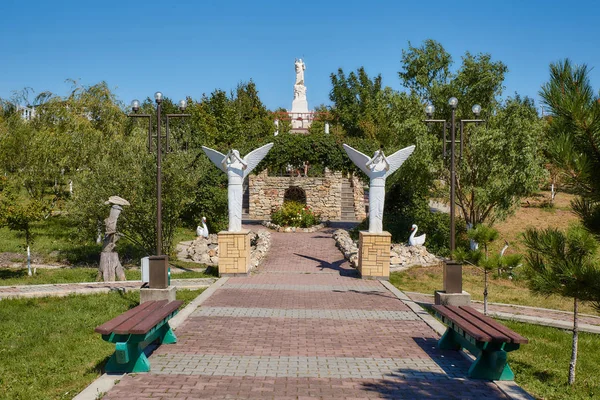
{"type": "Point", "coordinates": [304, 326]}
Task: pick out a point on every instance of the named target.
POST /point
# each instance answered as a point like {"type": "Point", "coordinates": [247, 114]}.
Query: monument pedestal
{"type": "Point", "coordinates": [374, 255]}
{"type": "Point", "coordinates": [149, 294]}
{"type": "Point", "coordinates": [234, 253]}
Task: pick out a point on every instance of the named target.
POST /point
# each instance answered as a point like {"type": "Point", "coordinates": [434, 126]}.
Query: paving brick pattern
{"type": "Point", "coordinates": [304, 326]}
{"type": "Point", "coordinates": [303, 313]}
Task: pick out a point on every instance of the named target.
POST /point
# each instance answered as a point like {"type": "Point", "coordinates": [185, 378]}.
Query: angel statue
{"type": "Point", "coordinates": [378, 169]}
{"type": "Point", "coordinates": [237, 168]}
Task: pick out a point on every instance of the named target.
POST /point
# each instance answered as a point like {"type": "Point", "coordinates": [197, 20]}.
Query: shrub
{"type": "Point", "coordinates": [295, 214]}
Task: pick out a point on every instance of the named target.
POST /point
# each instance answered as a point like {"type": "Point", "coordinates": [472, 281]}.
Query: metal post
{"type": "Point", "coordinates": [158, 184]}
{"type": "Point", "coordinates": [452, 182]}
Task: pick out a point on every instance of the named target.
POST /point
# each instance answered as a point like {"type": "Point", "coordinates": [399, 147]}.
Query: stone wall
{"type": "Point", "coordinates": [359, 198]}
{"type": "Point", "coordinates": [323, 194]}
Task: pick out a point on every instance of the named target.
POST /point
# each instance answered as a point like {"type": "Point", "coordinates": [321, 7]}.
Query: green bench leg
{"type": "Point", "coordinates": [449, 341]}
{"type": "Point", "coordinates": [167, 335]}
{"type": "Point", "coordinates": [491, 365]}
{"type": "Point", "coordinates": [128, 357]}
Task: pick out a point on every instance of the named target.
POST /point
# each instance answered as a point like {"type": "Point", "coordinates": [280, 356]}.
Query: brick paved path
{"type": "Point", "coordinates": [304, 326]}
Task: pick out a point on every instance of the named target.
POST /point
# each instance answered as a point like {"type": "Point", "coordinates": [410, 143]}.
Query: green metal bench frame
{"type": "Point", "coordinates": [129, 353]}
{"type": "Point", "coordinates": [485, 338]}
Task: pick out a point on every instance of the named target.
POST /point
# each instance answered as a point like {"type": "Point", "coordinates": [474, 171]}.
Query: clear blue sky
{"type": "Point", "coordinates": [192, 47]}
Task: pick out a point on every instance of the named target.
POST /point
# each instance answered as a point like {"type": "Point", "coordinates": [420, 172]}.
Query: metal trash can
{"type": "Point", "coordinates": [452, 277]}
{"type": "Point", "coordinates": [159, 272]}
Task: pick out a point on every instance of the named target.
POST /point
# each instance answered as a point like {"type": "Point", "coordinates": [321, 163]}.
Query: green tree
{"type": "Point", "coordinates": [484, 235]}
{"type": "Point", "coordinates": [574, 136]}
{"type": "Point", "coordinates": [502, 160]}
{"type": "Point", "coordinates": [565, 265]}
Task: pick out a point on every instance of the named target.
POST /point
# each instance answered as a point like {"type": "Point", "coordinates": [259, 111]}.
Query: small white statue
{"type": "Point", "coordinates": [416, 240]}
{"type": "Point", "coordinates": [300, 67]}
{"type": "Point", "coordinates": [237, 168]}
{"type": "Point", "coordinates": [202, 230]}
{"type": "Point", "coordinates": [378, 169]}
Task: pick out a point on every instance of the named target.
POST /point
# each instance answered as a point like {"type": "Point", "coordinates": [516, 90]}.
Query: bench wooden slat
{"type": "Point", "coordinates": [515, 337]}
{"type": "Point", "coordinates": [465, 325]}
{"type": "Point", "coordinates": [153, 319]}
{"type": "Point", "coordinates": [107, 327]}
{"type": "Point", "coordinates": [140, 316]}
{"type": "Point", "coordinates": [482, 324]}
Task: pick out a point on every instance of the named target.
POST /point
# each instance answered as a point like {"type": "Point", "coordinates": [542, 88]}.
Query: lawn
{"type": "Point", "coordinates": [541, 367]}
{"type": "Point", "coordinates": [428, 279]}
{"type": "Point", "coordinates": [18, 276]}
{"type": "Point", "coordinates": [56, 242]}
{"type": "Point", "coordinates": [48, 347]}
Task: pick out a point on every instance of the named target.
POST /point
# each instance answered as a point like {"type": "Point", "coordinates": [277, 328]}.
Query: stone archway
{"type": "Point", "coordinates": [295, 193]}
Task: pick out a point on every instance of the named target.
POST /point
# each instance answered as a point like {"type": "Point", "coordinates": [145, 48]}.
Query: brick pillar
{"type": "Point", "coordinates": [374, 255]}
{"type": "Point", "coordinates": [234, 253]}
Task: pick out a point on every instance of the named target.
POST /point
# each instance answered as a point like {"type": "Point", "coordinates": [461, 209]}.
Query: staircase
{"type": "Point", "coordinates": [347, 201]}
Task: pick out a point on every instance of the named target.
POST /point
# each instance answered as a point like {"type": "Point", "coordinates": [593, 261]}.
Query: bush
{"type": "Point", "coordinates": [295, 214]}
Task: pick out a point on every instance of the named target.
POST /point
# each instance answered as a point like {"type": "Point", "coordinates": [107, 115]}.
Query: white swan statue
{"type": "Point", "coordinates": [202, 230]}
{"type": "Point", "coordinates": [416, 241]}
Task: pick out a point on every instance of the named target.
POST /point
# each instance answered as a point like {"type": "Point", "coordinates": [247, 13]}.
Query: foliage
{"type": "Point", "coordinates": [564, 264]}
{"type": "Point", "coordinates": [502, 160]}
{"type": "Point", "coordinates": [483, 235]}
{"type": "Point", "coordinates": [574, 136]}
{"type": "Point", "coordinates": [19, 214]}
{"type": "Point", "coordinates": [293, 213]}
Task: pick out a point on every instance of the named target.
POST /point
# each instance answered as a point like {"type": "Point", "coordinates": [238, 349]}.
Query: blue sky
{"type": "Point", "coordinates": [192, 47]}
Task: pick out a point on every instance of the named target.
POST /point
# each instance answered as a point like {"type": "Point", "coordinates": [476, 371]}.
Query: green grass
{"type": "Point", "coordinates": [429, 279]}
{"type": "Point", "coordinates": [18, 276]}
{"type": "Point", "coordinates": [541, 367]}
{"type": "Point", "coordinates": [48, 347]}
{"type": "Point", "coordinates": [55, 241]}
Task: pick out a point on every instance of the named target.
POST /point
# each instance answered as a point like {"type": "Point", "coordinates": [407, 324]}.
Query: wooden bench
{"type": "Point", "coordinates": [135, 329]}
{"type": "Point", "coordinates": [483, 337]}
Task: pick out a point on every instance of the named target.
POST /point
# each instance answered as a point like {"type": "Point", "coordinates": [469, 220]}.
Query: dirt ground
{"type": "Point", "coordinates": [534, 213]}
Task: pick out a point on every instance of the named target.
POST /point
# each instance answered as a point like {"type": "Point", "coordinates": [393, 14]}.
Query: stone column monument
{"type": "Point", "coordinates": [299, 104]}
{"type": "Point", "coordinates": [234, 244]}
{"type": "Point", "coordinates": [374, 245]}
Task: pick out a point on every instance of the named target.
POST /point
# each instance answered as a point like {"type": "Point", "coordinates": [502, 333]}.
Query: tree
{"type": "Point", "coordinates": [18, 214]}
{"type": "Point", "coordinates": [574, 136]}
{"type": "Point", "coordinates": [565, 265]}
{"type": "Point", "coordinates": [483, 235]}
{"type": "Point", "coordinates": [502, 159]}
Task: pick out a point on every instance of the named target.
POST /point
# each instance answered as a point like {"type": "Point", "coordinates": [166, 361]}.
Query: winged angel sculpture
{"type": "Point", "coordinates": [236, 168]}
{"type": "Point", "coordinates": [377, 169]}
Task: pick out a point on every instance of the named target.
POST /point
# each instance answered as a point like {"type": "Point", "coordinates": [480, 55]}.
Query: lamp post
{"type": "Point", "coordinates": [429, 110]}
{"type": "Point", "coordinates": [135, 106]}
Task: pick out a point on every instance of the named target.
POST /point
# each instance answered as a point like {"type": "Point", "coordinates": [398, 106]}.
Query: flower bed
{"type": "Point", "coordinates": [279, 228]}
{"type": "Point", "coordinates": [296, 215]}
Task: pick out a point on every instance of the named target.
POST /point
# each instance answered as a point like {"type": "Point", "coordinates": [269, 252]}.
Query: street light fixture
{"type": "Point", "coordinates": [135, 107]}
{"type": "Point", "coordinates": [429, 110]}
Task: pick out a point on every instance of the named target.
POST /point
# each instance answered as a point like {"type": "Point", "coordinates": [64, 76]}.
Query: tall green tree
{"type": "Point", "coordinates": [502, 160]}
{"type": "Point", "coordinates": [574, 136]}
{"type": "Point", "coordinates": [565, 265]}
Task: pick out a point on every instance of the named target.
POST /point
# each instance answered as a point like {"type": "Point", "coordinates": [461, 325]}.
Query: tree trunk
{"type": "Point", "coordinates": [485, 291]}
{"type": "Point", "coordinates": [573, 362]}
{"type": "Point", "coordinates": [110, 268]}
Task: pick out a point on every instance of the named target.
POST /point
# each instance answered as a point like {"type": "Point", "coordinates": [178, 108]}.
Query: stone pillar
{"type": "Point", "coordinates": [234, 253]}
{"type": "Point", "coordinates": [374, 255]}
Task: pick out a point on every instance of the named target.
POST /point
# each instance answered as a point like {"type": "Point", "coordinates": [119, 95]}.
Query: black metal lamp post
{"type": "Point", "coordinates": [429, 110]}
{"type": "Point", "coordinates": [135, 106]}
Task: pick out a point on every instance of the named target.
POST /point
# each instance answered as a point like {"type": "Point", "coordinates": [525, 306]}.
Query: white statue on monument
{"type": "Point", "coordinates": [237, 168]}
{"type": "Point", "coordinates": [300, 67]}
{"type": "Point", "coordinates": [378, 169]}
